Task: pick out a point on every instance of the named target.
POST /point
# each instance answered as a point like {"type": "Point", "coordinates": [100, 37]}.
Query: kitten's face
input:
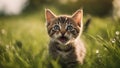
{"type": "Point", "coordinates": [63, 29]}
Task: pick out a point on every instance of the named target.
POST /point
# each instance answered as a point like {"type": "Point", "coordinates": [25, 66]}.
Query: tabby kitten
{"type": "Point", "coordinates": [65, 44]}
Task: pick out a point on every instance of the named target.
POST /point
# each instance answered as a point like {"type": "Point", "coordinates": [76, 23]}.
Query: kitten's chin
{"type": "Point", "coordinates": [62, 43]}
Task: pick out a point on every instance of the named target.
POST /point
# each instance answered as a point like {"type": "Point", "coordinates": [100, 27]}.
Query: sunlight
{"type": "Point", "coordinates": [12, 7]}
{"type": "Point", "coordinates": [116, 8]}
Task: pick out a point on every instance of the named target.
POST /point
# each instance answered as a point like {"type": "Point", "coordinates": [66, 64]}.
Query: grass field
{"type": "Point", "coordinates": [23, 42]}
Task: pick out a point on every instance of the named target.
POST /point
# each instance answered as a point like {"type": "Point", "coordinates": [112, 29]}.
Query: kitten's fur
{"type": "Point", "coordinates": [64, 32]}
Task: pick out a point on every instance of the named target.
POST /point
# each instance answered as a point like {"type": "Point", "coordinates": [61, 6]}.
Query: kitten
{"type": "Point", "coordinates": [64, 32]}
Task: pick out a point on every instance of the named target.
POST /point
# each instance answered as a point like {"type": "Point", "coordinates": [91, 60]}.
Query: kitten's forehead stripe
{"type": "Point", "coordinates": [62, 19]}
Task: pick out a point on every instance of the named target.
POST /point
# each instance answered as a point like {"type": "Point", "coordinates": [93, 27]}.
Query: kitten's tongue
{"type": "Point", "coordinates": [63, 39]}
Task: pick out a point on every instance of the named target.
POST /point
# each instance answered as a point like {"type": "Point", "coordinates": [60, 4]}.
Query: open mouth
{"type": "Point", "coordinates": [63, 39]}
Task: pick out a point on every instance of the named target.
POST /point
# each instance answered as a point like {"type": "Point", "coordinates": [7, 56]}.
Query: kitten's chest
{"type": "Point", "coordinates": [62, 51]}
{"type": "Point", "coordinates": [64, 54]}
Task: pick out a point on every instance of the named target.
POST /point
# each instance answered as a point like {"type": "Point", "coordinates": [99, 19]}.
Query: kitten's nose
{"type": "Point", "coordinates": [63, 33]}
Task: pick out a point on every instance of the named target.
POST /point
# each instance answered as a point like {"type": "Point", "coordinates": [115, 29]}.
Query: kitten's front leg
{"type": "Point", "coordinates": [53, 53]}
{"type": "Point", "coordinates": [72, 64]}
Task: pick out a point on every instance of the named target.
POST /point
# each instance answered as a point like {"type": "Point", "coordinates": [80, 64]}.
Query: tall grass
{"type": "Point", "coordinates": [24, 39]}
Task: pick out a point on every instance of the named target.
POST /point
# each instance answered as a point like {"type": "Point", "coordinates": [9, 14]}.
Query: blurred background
{"type": "Point", "coordinates": [94, 7]}
{"type": "Point", "coordinates": [24, 39]}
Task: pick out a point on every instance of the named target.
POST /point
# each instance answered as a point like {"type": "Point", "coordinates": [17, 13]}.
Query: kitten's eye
{"type": "Point", "coordinates": [56, 27]}
{"type": "Point", "coordinates": [69, 27]}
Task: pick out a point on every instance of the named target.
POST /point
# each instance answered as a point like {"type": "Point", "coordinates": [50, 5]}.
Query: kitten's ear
{"type": "Point", "coordinates": [49, 15]}
{"type": "Point", "coordinates": [77, 16]}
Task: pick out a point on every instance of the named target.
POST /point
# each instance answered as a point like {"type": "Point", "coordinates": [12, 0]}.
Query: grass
{"type": "Point", "coordinates": [23, 42]}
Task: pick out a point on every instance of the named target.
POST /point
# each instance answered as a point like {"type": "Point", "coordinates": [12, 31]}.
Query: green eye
{"type": "Point", "coordinates": [69, 27]}
{"type": "Point", "coordinates": [56, 27]}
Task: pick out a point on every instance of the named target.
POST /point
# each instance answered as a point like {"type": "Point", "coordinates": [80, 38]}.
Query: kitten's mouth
{"type": "Point", "coordinates": [63, 39]}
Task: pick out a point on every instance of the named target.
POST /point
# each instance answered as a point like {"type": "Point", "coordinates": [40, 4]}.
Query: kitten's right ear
{"type": "Point", "coordinates": [77, 16]}
{"type": "Point", "coordinates": [49, 15]}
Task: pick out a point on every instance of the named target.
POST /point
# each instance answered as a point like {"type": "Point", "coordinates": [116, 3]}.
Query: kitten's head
{"type": "Point", "coordinates": [64, 29]}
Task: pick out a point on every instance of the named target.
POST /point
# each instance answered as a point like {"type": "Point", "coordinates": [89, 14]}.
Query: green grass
{"type": "Point", "coordinates": [24, 39]}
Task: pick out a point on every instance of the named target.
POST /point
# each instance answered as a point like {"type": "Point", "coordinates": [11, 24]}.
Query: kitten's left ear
{"type": "Point", "coordinates": [49, 15]}
{"type": "Point", "coordinates": [77, 16]}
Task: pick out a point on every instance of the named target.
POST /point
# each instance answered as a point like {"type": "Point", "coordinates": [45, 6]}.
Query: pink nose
{"type": "Point", "coordinates": [63, 33]}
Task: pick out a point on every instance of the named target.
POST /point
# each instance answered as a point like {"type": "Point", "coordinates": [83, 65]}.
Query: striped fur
{"type": "Point", "coordinates": [64, 32]}
{"type": "Point", "coordinates": [63, 22]}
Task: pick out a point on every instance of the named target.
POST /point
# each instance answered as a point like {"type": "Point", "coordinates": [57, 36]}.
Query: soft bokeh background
{"type": "Point", "coordinates": [24, 39]}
